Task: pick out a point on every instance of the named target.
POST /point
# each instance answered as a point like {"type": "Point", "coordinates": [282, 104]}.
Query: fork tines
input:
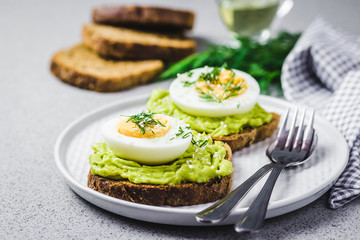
{"type": "Point", "coordinates": [287, 139]}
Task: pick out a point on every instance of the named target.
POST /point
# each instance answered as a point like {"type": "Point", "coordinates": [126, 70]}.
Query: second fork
{"type": "Point", "coordinates": [290, 149]}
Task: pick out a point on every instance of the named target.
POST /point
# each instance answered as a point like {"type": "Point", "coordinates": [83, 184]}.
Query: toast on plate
{"type": "Point", "coordinates": [183, 194]}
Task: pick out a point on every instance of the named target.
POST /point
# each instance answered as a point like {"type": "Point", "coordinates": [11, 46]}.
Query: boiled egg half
{"type": "Point", "coordinates": [147, 138]}
{"type": "Point", "coordinates": [214, 92]}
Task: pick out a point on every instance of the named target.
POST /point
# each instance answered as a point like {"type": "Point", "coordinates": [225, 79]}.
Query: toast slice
{"type": "Point", "coordinates": [251, 135]}
{"type": "Point", "coordinates": [184, 194]}
{"type": "Point", "coordinates": [145, 17]}
{"type": "Point", "coordinates": [82, 67]}
{"type": "Point", "coordinates": [123, 43]}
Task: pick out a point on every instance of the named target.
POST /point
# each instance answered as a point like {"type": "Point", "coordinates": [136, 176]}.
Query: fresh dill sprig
{"type": "Point", "coordinates": [199, 143]}
{"type": "Point", "coordinates": [208, 97]}
{"type": "Point", "coordinates": [188, 84]}
{"type": "Point", "coordinates": [186, 135]}
{"type": "Point", "coordinates": [230, 92]}
{"type": "Point", "coordinates": [212, 77]}
{"type": "Point", "coordinates": [144, 120]}
{"type": "Point", "coordinates": [181, 132]}
{"type": "Point", "coordinates": [229, 88]}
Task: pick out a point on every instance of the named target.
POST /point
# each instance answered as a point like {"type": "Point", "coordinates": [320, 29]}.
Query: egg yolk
{"type": "Point", "coordinates": [131, 129]}
{"type": "Point", "coordinates": [226, 86]}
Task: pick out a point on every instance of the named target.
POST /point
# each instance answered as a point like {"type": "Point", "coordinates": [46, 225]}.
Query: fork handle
{"type": "Point", "coordinates": [255, 215]}
{"type": "Point", "coordinates": [218, 211]}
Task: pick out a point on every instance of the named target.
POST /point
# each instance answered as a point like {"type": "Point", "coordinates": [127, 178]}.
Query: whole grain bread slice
{"type": "Point", "coordinates": [251, 135]}
{"type": "Point", "coordinates": [184, 194]}
{"type": "Point", "coordinates": [82, 67]}
{"type": "Point", "coordinates": [145, 17]}
{"type": "Point", "coordinates": [123, 43]}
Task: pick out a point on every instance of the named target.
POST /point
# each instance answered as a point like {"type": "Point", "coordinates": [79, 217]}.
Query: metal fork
{"type": "Point", "coordinates": [291, 148]}
{"type": "Point", "coordinates": [221, 209]}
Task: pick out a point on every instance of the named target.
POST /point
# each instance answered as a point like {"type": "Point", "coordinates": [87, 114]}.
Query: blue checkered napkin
{"type": "Point", "coordinates": [323, 72]}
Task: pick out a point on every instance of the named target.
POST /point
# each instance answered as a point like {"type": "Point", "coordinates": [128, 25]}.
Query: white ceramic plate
{"type": "Point", "coordinates": [295, 187]}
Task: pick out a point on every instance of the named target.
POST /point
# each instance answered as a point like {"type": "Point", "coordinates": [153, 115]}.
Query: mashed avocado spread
{"type": "Point", "coordinates": [197, 164]}
{"type": "Point", "coordinates": [160, 102]}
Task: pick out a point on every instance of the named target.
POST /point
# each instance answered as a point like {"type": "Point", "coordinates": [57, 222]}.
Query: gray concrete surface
{"type": "Point", "coordinates": [35, 202]}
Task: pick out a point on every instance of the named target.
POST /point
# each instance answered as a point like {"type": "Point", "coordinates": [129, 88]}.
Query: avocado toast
{"type": "Point", "coordinates": [180, 194]}
{"type": "Point", "coordinates": [137, 162]}
{"type": "Point", "coordinates": [219, 102]}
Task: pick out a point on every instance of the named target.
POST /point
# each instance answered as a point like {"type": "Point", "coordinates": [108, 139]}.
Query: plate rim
{"type": "Point", "coordinates": [81, 189]}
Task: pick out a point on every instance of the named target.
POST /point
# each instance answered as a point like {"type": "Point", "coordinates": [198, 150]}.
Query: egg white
{"type": "Point", "coordinates": [149, 151]}
{"type": "Point", "coordinates": [188, 99]}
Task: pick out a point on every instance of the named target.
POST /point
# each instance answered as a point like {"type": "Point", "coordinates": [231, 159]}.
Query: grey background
{"type": "Point", "coordinates": [35, 202]}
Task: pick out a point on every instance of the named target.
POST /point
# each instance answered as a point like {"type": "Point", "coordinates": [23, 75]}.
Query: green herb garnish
{"type": "Point", "coordinates": [262, 61]}
{"type": "Point", "coordinates": [189, 74]}
{"type": "Point", "coordinates": [211, 79]}
{"type": "Point", "coordinates": [181, 132]}
{"type": "Point", "coordinates": [143, 121]}
{"type": "Point", "coordinates": [200, 143]}
{"type": "Point", "coordinates": [208, 97]}
{"type": "Point", "coordinates": [188, 84]}
{"type": "Point", "coordinates": [186, 135]}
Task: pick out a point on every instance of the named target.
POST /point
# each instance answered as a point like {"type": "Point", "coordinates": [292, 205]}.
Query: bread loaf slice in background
{"type": "Point", "coordinates": [82, 67]}
{"type": "Point", "coordinates": [145, 17]}
{"type": "Point", "coordinates": [123, 43]}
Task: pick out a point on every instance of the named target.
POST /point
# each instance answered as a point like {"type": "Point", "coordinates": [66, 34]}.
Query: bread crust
{"type": "Point", "coordinates": [144, 17]}
{"type": "Point", "coordinates": [251, 135]}
{"type": "Point", "coordinates": [184, 194]}
{"type": "Point", "coordinates": [82, 78]}
{"type": "Point", "coordinates": [171, 49]}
